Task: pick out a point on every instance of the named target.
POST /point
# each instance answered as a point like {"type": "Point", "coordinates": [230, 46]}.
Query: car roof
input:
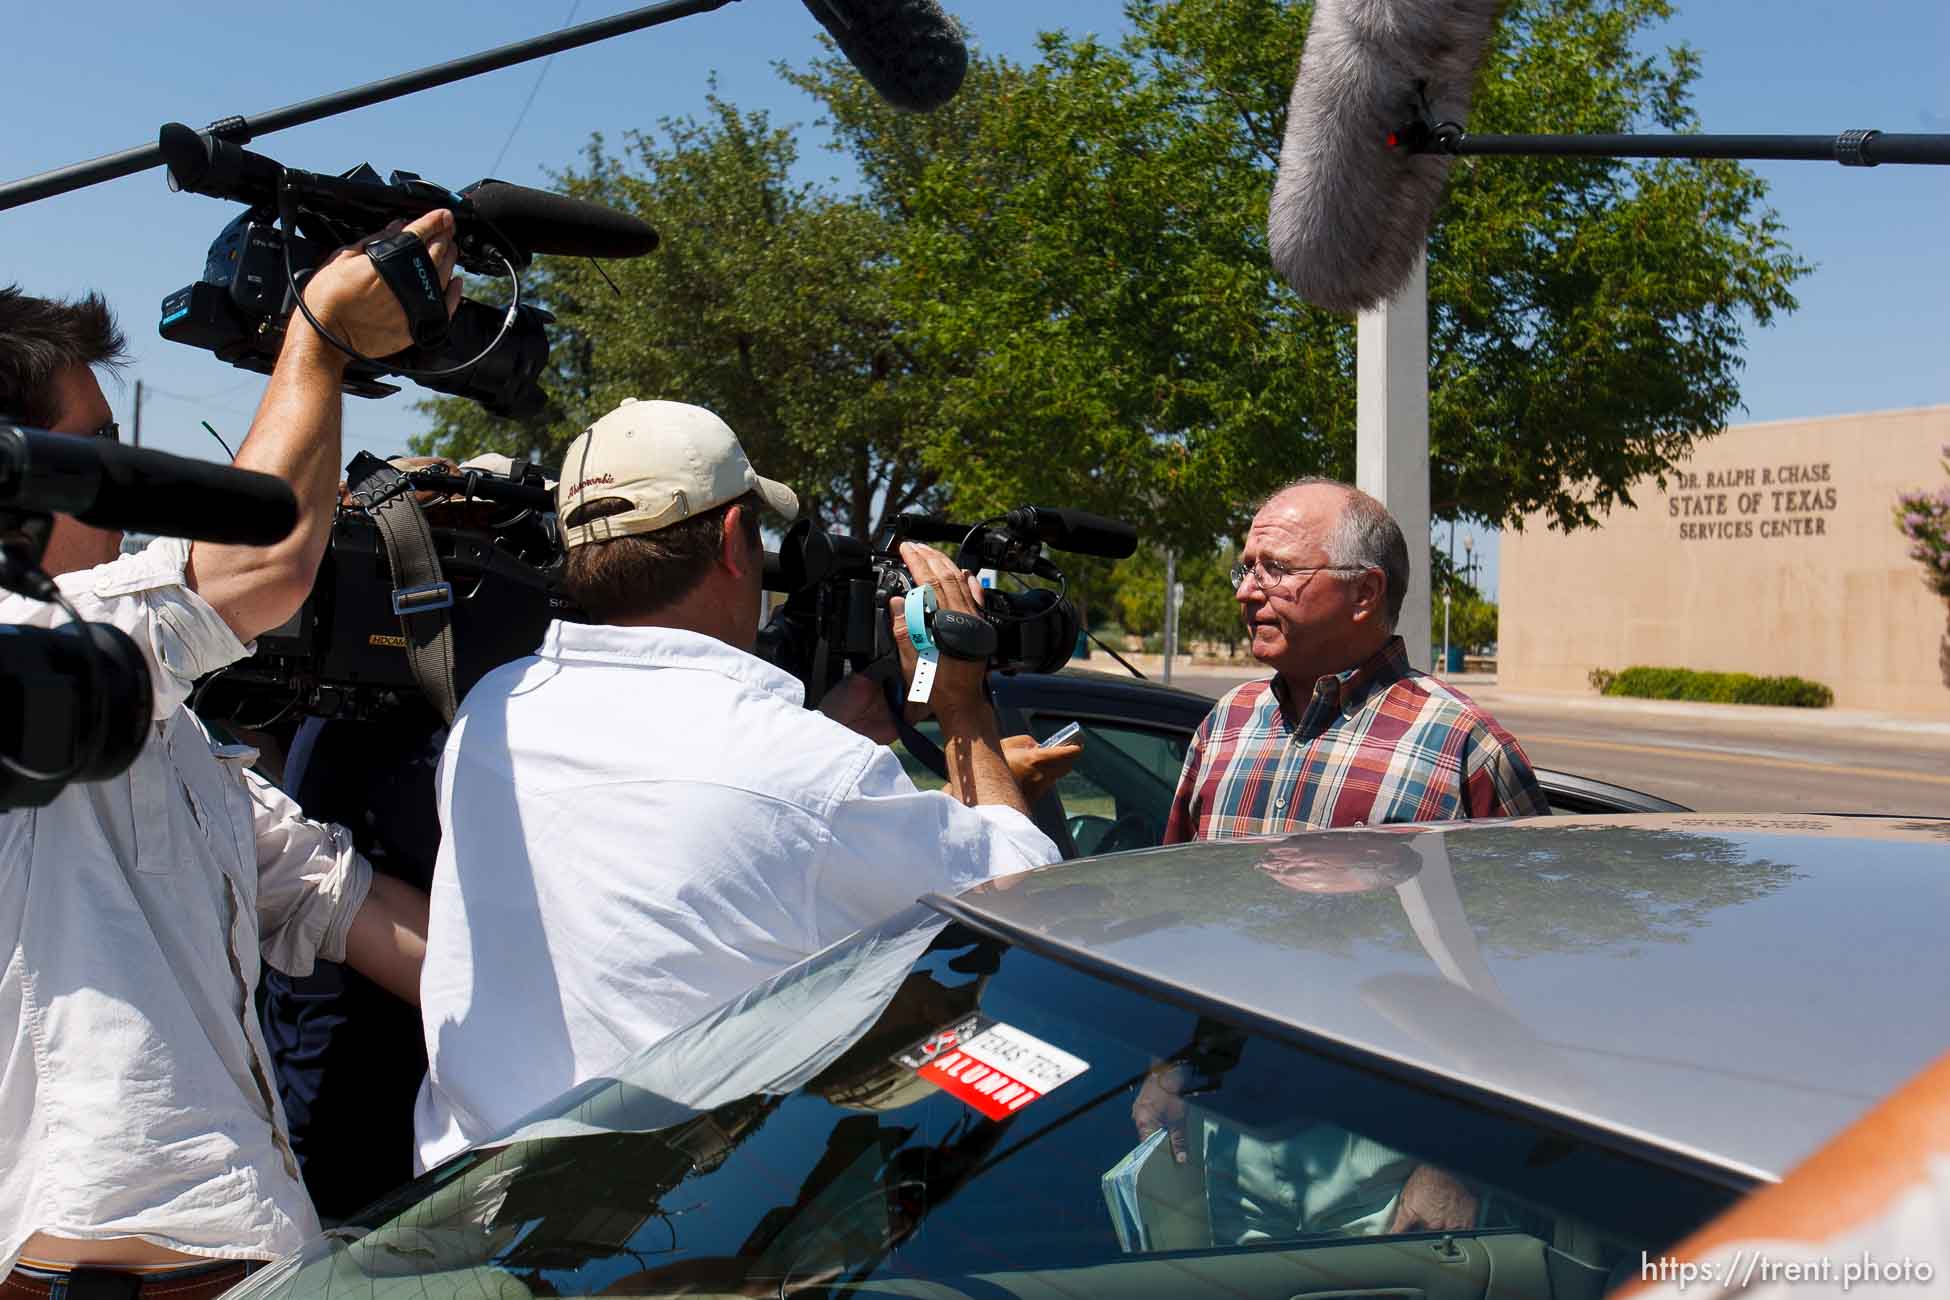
{"type": "Point", "coordinates": [1731, 989]}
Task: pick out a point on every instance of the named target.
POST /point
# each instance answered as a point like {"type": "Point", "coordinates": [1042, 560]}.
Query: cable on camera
{"type": "Point", "coordinates": [996, 615]}
{"type": "Point", "coordinates": [288, 218]}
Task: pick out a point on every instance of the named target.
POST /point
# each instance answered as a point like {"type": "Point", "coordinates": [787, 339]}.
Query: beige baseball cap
{"type": "Point", "coordinates": [670, 460]}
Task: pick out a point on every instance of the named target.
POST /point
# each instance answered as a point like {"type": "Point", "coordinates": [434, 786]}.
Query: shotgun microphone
{"type": "Point", "coordinates": [1350, 212]}
{"type": "Point", "coordinates": [1075, 530]}
{"type": "Point", "coordinates": [541, 222]}
{"type": "Point", "coordinates": [112, 486]}
{"type": "Point", "coordinates": [910, 51]}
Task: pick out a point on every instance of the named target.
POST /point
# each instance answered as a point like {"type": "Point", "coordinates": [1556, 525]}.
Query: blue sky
{"type": "Point", "coordinates": [90, 78]}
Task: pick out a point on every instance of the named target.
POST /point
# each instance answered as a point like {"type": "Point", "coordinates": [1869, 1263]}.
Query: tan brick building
{"type": "Point", "coordinates": [1771, 551]}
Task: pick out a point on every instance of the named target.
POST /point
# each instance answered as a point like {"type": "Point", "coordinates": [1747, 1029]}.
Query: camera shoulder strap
{"type": "Point", "coordinates": [422, 597]}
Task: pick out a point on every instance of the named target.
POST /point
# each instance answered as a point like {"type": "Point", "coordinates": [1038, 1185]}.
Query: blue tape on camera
{"type": "Point", "coordinates": [921, 603]}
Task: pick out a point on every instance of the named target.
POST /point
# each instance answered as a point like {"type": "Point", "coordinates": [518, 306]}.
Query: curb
{"type": "Point", "coordinates": [1761, 715]}
{"type": "Point", "coordinates": [1483, 688]}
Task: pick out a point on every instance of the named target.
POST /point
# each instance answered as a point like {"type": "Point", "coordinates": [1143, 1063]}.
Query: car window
{"type": "Point", "coordinates": [855, 1126]}
{"type": "Point", "coordinates": [1118, 796]}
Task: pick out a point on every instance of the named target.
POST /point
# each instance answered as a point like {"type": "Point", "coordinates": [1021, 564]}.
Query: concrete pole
{"type": "Point", "coordinates": [1392, 435]}
{"type": "Point", "coordinates": [135, 434]}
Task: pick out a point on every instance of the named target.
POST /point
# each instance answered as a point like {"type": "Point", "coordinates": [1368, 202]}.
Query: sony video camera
{"type": "Point", "coordinates": [76, 700]}
{"type": "Point", "coordinates": [252, 276]}
{"type": "Point", "coordinates": [836, 616]}
{"type": "Point", "coordinates": [344, 653]}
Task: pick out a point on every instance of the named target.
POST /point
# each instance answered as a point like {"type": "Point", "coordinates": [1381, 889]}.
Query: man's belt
{"type": "Point", "coordinates": [191, 1282]}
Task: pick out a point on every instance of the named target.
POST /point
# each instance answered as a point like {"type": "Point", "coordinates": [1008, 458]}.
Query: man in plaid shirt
{"type": "Point", "coordinates": [1345, 733]}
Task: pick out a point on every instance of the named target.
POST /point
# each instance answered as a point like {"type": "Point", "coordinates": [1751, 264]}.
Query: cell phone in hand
{"type": "Point", "coordinates": [1062, 737]}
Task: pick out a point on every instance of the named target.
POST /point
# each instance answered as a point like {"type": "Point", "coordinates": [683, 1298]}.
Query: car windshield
{"type": "Point", "coordinates": [925, 1111]}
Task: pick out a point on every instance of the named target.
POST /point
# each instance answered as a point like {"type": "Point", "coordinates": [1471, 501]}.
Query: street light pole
{"type": "Point", "coordinates": [1448, 589]}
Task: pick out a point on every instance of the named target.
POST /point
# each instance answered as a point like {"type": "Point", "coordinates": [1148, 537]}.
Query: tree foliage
{"type": "Point", "coordinates": [764, 302]}
{"type": "Point", "coordinates": [1056, 289]}
{"type": "Point", "coordinates": [1208, 613]}
{"type": "Point", "coordinates": [1083, 258]}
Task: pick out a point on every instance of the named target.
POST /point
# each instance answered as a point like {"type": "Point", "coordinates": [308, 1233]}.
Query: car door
{"type": "Point", "coordinates": [1135, 734]}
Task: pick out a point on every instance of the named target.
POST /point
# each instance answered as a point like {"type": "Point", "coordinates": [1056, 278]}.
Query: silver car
{"type": "Point", "coordinates": [1449, 1062]}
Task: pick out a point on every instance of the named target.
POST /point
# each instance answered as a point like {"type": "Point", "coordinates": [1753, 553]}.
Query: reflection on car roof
{"type": "Point", "coordinates": [1732, 987]}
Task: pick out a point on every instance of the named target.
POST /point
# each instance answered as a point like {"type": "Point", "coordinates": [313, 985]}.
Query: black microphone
{"type": "Point", "coordinates": [910, 51]}
{"type": "Point", "coordinates": [533, 221]}
{"type": "Point", "coordinates": [1351, 212]}
{"type": "Point", "coordinates": [541, 222]}
{"type": "Point", "coordinates": [112, 486]}
{"type": "Point", "coordinates": [1074, 530]}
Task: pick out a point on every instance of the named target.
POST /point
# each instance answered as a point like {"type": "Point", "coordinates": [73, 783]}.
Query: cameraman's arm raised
{"type": "Point", "coordinates": [977, 771]}
{"type": "Point", "coordinates": [295, 435]}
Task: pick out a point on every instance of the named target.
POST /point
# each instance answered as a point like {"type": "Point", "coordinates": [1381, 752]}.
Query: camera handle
{"type": "Point", "coordinates": [422, 596]}
{"type": "Point", "coordinates": [23, 540]}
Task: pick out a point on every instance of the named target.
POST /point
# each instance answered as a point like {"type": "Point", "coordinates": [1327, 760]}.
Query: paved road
{"type": "Point", "coordinates": [1779, 762]}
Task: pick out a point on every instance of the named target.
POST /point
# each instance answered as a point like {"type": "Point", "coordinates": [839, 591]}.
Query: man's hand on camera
{"type": "Point", "coordinates": [977, 771]}
{"type": "Point", "coordinates": [350, 300]}
{"type": "Point", "coordinates": [957, 682]}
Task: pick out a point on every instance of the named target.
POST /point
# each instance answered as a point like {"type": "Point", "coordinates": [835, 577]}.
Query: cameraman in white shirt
{"type": "Point", "coordinates": [145, 1150]}
{"type": "Point", "coordinates": [643, 820]}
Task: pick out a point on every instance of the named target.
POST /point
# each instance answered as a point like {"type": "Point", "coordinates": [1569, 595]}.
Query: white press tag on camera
{"type": "Point", "coordinates": [920, 603]}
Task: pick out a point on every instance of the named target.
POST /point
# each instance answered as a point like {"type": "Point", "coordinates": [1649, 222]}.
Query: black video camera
{"type": "Point", "coordinates": [76, 700]}
{"type": "Point", "coordinates": [251, 279]}
{"type": "Point", "coordinates": [836, 616]}
{"type": "Point", "coordinates": [344, 653]}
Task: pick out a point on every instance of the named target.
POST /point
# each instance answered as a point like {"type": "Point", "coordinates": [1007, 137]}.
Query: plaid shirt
{"type": "Point", "coordinates": [1378, 743]}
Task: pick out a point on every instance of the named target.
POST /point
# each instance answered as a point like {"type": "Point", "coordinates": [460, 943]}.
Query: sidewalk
{"type": "Point", "coordinates": [1858, 721]}
{"type": "Point", "coordinates": [1483, 688]}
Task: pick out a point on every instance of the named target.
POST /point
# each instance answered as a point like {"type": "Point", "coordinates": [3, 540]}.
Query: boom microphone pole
{"type": "Point", "coordinates": [1375, 117]}
{"type": "Point", "coordinates": [241, 130]}
{"type": "Point", "coordinates": [910, 51]}
{"type": "Point", "coordinates": [1850, 148]}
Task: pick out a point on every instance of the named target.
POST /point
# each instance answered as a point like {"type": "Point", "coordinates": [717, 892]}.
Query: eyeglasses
{"type": "Point", "coordinates": [110, 431]}
{"type": "Point", "coordinates": [1270, 575]}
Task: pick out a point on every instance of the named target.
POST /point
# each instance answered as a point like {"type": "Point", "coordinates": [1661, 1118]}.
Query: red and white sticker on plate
{"type": "Point", "coordinates": [996, 1068]}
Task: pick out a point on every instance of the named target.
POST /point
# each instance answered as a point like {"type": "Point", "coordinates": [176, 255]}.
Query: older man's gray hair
{"type": "Point", "coordinates": [1365, 536]}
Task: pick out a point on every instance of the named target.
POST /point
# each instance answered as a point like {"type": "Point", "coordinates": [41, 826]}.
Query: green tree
{"type": "Point", "coordinates": [1139, 593]}
{"type": "Point", "coordinates": [1081, 262]}
{"type": "Point", "coordinates": [1472, 620]}
{"type": "Point", "coordinates": [1472, 615]}
{"type": "Point", "coordinates": [1208, 613]}
{"type": "Point", "coordinates": [766, 302]}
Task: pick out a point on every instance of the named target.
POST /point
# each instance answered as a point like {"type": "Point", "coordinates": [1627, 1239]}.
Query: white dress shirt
{"type": "Point", "coordinates": [638, 824]}
{"type": "Point", "coordinates": [135, 1089]}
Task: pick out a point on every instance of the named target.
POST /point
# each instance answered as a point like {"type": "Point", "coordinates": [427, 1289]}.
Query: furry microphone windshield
{"type": "Point", "coordinates": [1350, 214]}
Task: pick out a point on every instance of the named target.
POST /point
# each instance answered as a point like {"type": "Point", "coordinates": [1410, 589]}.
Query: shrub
{"type": "Point", "coordinates": [1714, 688]}
{"type": "Point", "coordinates": [1923, 518]}
{"type": "Point", "coordinates": [1601, 679]}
